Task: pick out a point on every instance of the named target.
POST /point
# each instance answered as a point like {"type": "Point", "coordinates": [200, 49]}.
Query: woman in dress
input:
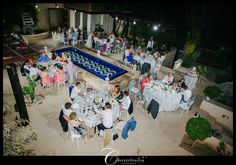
{"type": "Point", "coordinates": [147, 79]}
{"type": "Point", "coordinates": [89, 41]}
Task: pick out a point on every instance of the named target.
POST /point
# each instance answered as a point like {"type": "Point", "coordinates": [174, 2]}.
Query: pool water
{"type": "Point", "coordinates": [94, 65]}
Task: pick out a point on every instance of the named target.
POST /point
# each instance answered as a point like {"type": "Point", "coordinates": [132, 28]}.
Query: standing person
{"type": "Point", "coordinates": [89, 41]}
{"type": "Point", "coordinates": [107, 118]}
{"type": "Point", "coordinates": [68, 69]}
{"type": "Point", "coordinates": [150, 44]}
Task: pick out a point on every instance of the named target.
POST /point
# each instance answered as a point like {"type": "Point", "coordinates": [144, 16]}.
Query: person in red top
{"type": "Point", "coordinates": [146, 80]}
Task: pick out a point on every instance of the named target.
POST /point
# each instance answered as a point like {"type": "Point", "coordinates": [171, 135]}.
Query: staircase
{"type": "Point", "coordinates": [28, 23]}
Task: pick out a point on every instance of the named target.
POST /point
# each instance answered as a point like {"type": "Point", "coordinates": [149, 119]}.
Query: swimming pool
{"type": "Point", "coordinates": [94, 65]}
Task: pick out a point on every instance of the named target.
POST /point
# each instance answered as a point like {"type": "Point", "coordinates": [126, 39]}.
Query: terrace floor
{"type": "Point", "coordinates": [161, 136]}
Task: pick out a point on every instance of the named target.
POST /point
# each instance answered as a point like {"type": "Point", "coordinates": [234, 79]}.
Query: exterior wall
{"type": "Point", "coordinates": [217, 112]}
{"type": "Point", "coordinates": [43, 15]}
{"type": "Point", "coordinates": [85, 20]}
{"type": "Point", "coordinates": [108, 23]}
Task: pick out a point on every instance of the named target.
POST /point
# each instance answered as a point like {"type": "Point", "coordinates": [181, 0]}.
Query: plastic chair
{"type": "Point", "coordinates": [46, 81]}
{"type": "Point", "coordinates": [60, 80]}
{"type": "Point", "coordinates": [73, 134]}
{"type": "Point", "coordinates": [185, 107]}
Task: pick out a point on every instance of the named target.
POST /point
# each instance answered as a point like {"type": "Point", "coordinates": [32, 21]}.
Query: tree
{"type": "Point", "coordinates": [198, 128]}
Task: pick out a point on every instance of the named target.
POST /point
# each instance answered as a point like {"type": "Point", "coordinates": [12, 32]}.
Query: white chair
{"type": "Point", "coordinates": [106, 135]}
{"type": "Point", "coordinates": [185, 107]}
{"type": "Point", "coordinates": [60, 80]}
{"type": "Point", "coordinates": [73, 134]}
{"type": "Point", "coordinates": [126, 112]}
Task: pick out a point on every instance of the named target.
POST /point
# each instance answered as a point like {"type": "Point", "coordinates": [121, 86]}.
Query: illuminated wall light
{"type": "Point", "coordinates": [116, 18]}
{"type": "Point", "coordinates": [134, 23]}
{"type": "Point", "coordinates": [36, 6]}
{"type": "Point", "coordinates": [75, 11]}
{"type": "Point", "coordinates": [155, 27]}
{"type": "Point", "coordinates": [57, 6]}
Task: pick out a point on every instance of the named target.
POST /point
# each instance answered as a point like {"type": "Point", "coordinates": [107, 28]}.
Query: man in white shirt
{"type": "Point", "coordinates": [76, 91]}
{"type": "Point", "coordinates": [186, 95]}
{"type": "Point", "coordinates": [34, 71]}
{"type": "Point", "coordinates": [168, 79]}
{"type": "Point", "coordinates": [67, 111]}
{"type": "Point", "coordinates": [107, 118]}
{"type": "Point", "coordinates": [125, 102]}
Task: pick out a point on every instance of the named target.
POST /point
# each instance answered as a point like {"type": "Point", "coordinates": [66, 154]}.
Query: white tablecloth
{"type": "Point", "coordinates": [168, 100]}
{"type": "Point", "coordinates": [190, 81]}
{"type": "Point", "coordinates": [85, 112]}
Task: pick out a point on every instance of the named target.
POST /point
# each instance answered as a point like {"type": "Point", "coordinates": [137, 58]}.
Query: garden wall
{"type": "Point", "coordinates": [218, 112]}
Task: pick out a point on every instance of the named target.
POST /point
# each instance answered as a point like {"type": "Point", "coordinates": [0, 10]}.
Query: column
{"type": "Point", "coordinates": [18, 94]}
{"type": "Point", "coordinates": [72, 18]}
{"type": "Point", "coordinates": [89, 23]}
{"type": "Point", "coordinates": [102, 19]}
{"type": "Point", "coordinates": [81, 14]}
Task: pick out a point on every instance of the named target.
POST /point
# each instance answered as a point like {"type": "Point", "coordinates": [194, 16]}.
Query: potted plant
{"type": "Point", "coordinates": [198, 128]}
{"type": "Point", "coordinates": [30, 89]}
{"type": "Point", "coordinates": [222, 149]}
{"type": "Point", "coordinates": [212, 92]}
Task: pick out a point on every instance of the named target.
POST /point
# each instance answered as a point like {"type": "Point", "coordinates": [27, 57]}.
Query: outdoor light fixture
{"type": "Point", "coordinates": [36, 6]}
{"type": "Point", "coordinates": [155, 27]}
{"type": "Point", "coordinates": [75, 11]}
{"type": "Point", "coordinates": [116, 18]}
{"type": "Point", "coordinates": [159, 25]}
{"type": "Point", "coordinates": [134, 23]}
{"type": "Point", "coordinates": [57, 6]}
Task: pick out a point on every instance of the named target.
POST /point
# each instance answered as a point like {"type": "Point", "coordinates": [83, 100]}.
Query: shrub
{"type": "Point", "coordinates": [223, 76]}
{"type": "Point", "coordinates": [198, 128]}
{"type": "Point", "coordinates": [212, 91]}
{"type": "Point", "coordinates": [190, 60]}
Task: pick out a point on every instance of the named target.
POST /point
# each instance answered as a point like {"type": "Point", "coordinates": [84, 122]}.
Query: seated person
{"type": "Point", "coordinates": [126, 101]}
{"type": "Point", "coordinates": [34, 71]}
{"type": "Point", "coordinates": [130, 58]}
{"type": "Point", "coordinates": [58, 74]}
{"type": "Point", "coordinates": [147, 79]}
{"type": "Point", "coordinates": [76, 124]}
{"type": "Point", "coordinates": [55, 59]}
{"type": "Point", "coordinates": [43, 57]}
{"type": "Point", "coordinates": [63, 57]}
{"type": "Point", "coordinates": [67, 111]}
{"type": "Point", "coordinates": [76, 91]}
{"type": "Point", "coordinates": [107, 118]}
{"type": "Point", "coordinates": [186, 95]}
{"type": "Point", "coordinates": [180, 84]}
{"type": "Point", "coordinates": [168, 79]}
{"type": "Point", "coordinates": [117, 93]}
{"type": "Point", "coordinates": [25, 68]}
{"type": "Point", "coordinates": [44, 75]}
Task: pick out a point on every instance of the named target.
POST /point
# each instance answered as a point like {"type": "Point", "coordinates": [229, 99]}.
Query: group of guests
{"type": "Point", "coordinates": [68, 35]}
{"type": "Point", "coordinates": [106, 112]}
{"type": "Point", "coordinates": [105, 42]}
{"type": "Point", "coordinates": [41, 68]}
{"type": "Point", "coordinates": [168, 79]}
